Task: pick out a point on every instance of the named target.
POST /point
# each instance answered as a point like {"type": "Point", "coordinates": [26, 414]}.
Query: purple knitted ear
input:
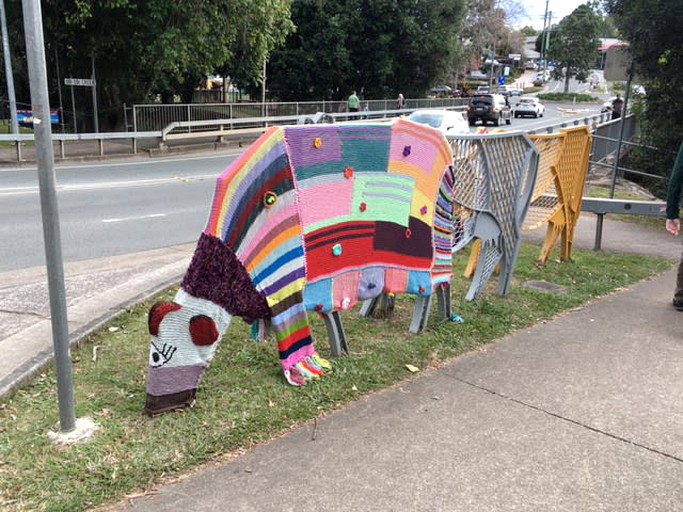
{"type": "Point", "coordinates": [215, 274]}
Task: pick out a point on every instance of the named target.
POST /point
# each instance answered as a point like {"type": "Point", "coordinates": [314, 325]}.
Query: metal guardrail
{"type": "Point", "coordinates": [603, 206]}
{"type": "Point", "coordinates": [211, 128]}
{"type": "Point", "coordinates": [245, 126]}
{"type": "Point", "coordinates": [250, 125]}
{"type": "Point", "coordinates": [62, 138]}
{"type": "Point", "coordinates": [159, 116]}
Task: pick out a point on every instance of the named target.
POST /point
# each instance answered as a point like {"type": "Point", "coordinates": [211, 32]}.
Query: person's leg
{"type": "Point", "coordinates": [678, 294]}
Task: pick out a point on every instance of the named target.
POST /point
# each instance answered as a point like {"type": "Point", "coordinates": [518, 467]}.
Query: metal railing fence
{"type": "Point", "coordinates": [155, 117]}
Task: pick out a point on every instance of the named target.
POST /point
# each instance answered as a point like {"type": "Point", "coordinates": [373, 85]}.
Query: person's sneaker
{"type": "Point", "coordinates": [678, 305]}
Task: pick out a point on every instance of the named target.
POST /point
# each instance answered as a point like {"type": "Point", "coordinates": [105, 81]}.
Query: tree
{"type": "Point", "coordinates": [652, 29]}
{"type": "Point", "coordinates": [483, 23]}
{"type": "Point", "coordinates": [145, 48]}
{"type": "Point", "coordinates": [379, 48]}
{"type": "Point", "coordinates": [574, 43]}
{"type": "Point", "coordinates": [529, 31]}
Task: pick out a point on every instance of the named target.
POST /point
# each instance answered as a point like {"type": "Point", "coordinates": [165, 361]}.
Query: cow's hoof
{"type": "Point", "coordinates": [156, 405]}
{"type": "Point", "coordinates": [309, 368]}
{"type": "Point", "coordinates": [322, 363]}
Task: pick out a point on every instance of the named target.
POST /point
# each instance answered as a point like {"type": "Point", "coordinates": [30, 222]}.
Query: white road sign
{"type": "Point", "coordinates": [87, 82]}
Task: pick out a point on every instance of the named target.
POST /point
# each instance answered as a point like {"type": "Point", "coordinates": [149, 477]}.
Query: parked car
{"type": "Point", "coordinates": [541, 78]}
{"type": "Point", "coordinates": [486, 108]}
{"type": "Point", "coordinates": [510, 90]}
{"type": "Point", "coordinates": [477, 75]}
{"type": "Point", "coordinates": [448, 122]}
{"type": "Point", "coordinates": [483, 89]}
{"type": "Point", "coordinates": [529, 106]}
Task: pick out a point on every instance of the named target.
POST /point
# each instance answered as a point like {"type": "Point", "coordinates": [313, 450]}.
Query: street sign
{"type": "Point", "coordinates": [501, 80]}
{"type": "Point", "coordinates": [86, 82]}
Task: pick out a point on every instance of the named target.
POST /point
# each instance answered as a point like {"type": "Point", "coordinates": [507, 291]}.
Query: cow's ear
{"type": "Point", "coordinates": [157, 313]}
{"type": "Point", "coordinates": [203, 330]}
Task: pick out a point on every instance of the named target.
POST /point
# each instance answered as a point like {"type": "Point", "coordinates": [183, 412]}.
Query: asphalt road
{"type": "Point", "coordinates": [108, 209]}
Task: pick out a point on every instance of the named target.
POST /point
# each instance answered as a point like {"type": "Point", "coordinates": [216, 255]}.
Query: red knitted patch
{"type": "Point", "coordinates": [157, 313]}
{"type": "Point", "coordinates": [203, 330]}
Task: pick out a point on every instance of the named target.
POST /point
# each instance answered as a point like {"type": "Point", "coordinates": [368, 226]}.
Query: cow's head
{"type": "Point", "coordinates": [185, 335]}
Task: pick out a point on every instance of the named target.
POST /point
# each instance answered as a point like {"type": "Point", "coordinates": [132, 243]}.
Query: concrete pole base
{"type": "Point", "coordinates": [84, 430]}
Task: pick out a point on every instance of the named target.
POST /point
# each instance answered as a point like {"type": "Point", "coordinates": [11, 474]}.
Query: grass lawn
{"type": "Point", "coordinates": [243, 399]}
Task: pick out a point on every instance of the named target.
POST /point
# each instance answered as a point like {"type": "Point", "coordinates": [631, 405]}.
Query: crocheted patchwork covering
{"type": "Point", "coordinates": [312, 218]}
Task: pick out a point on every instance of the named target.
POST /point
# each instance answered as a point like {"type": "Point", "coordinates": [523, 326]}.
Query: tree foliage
{"type": "Point", "coordinates": [653, 31]}
{"type": "Point", "coordinates": [379, 48]}
{"type": "Point", "coordinates": [573, 44]}
{"type": "Point", "coordinates": [144, 48]}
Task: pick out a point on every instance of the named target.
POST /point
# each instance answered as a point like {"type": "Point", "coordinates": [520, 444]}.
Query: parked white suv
{"type": "Point", "coordinates": [529, 106]}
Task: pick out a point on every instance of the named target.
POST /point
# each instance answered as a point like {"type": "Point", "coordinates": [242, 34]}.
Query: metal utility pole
{"type": "Point", "coordinates": [35, 54]}
{"type": "Point", "coordinates": [8, 70]}
{"type": "Point", "coordinates": [546, 38]}
{"type": "Point", "coordinates": [96, 121]}
{"type": "Point", "coordinates": [493, 65]}
{"type": "Point", "coordinates": [545, 24]}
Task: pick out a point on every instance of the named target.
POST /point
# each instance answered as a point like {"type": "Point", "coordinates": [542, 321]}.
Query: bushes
{"type": "Point", "coordinates": [568, 96]}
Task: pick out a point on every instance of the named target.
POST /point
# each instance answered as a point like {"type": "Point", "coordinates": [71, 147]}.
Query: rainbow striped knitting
{"type": "Point", "coordinates": [308, 218]}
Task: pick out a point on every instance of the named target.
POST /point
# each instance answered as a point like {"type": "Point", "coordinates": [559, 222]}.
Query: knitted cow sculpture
{"type": "Point", "coordinates": [308, 218]}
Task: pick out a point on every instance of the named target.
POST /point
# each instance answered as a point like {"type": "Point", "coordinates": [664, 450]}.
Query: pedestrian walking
{"type": "Point", "coordinates": [673, 222]}
{"type": "Point", "coordinates": [617, 105]}
{"type": "Point", "coordinates": [400, 102]}
{"type": "Point", "coordinates": [353, 103]}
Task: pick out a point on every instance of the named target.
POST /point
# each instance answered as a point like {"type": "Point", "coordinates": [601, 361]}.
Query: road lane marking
{"type": "Point", "coordinates": [136, 217]}
{"type": "Point", "coordinates": [110, 184]}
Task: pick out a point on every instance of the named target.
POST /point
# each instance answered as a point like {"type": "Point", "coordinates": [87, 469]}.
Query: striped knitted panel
{"type": "Point", "coordinates": [292, 330]}
{"type": "Point", "coordinates": [445, 222]}
{"type": "Point", "coordinates": [256, 213]}
{"type": "Point", "coordinates": [240, 189]}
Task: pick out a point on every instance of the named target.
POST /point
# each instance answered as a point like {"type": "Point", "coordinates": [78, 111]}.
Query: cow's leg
{"type": "Point", "coordinates": [185, 335]}
{"type": "Point", "coordinates": [298, 357]}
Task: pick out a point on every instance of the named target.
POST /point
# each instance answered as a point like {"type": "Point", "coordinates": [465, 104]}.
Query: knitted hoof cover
{"type": "Point", "coordinates": [155, 405]}
{"type": "Point", "coordinates": [309, 368]}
